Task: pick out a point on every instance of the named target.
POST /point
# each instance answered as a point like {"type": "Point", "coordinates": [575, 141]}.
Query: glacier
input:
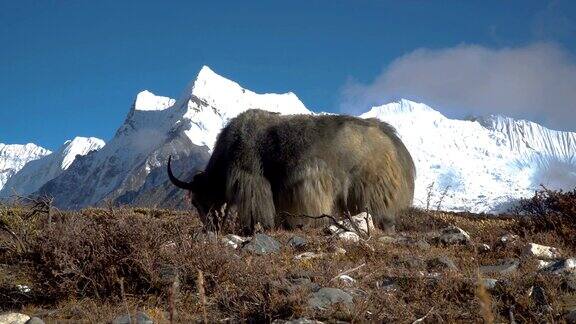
{"type": "Point", "coordinates": [477, 165]}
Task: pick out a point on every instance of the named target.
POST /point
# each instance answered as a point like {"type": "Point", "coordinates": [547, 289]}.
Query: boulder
{"type": "Point", "coordinates": [452, 235]}
{"type": "Point", "coordinates": [262, 244]}
{"type": "Point", "coordinates": [297, 242]}
{"type": "Point", "coordinates": [14, 318]}
{"type": "Point", "coordinates": [541, 251]}
{"type": "Point", "coordinates": [505, 266]}
{"type": "Point", "coordinates": [326, 297]}
{"type": "Point", "coordinates": [233, 241]}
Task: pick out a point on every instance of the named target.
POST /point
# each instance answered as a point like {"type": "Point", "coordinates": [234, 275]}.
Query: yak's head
{"type": "Point", "coordinates": [202, 197]}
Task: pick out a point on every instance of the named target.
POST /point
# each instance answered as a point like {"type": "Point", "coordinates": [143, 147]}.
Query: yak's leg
{"type": "Point", "coordinates": [308, 191]}
{"type": "Point", "coordinates": [375, 194]}
{"type": "Point", "coordinates": [252, 195]}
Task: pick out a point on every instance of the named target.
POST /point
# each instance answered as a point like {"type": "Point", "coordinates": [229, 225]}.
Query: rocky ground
{"type": "Point", "coordinates": [157, 266]}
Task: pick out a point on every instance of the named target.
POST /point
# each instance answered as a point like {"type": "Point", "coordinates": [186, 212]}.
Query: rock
{"type": "Point", "coordinates": [406, 241]}
{"type": "Point", "coordinates": [262, 244]}
{"type": "Point", "coordinates": [483, 248]}
{"type": "Point", "coordinates": [303, 280]}
{"type": "Point", "coordinates": [308, 256]}
{"type": "Point", "coordinates": [541, 251]}
{"type": "Point", "coordinates": [362, 221]}
{"type": "Point", "coordinates": [339, 250]}
{"type": "Point", "coordinates": [388, 284]}
{"type": "Point", "coordinates": [489, 283]}
{"type": "Point", "coordinates": [348, 236]}
{"type": "Point", "coordinates": [542, 264]}
{"type": "Point", "coordinates": [139, 318]}
{"type": "Point", "coordinates": [452, 235]}
{"type": "Point", "coordinates": [23, 288]}
{"type": "Point", "coordinates": [14, 318]}
{"type": "Point", "coordinates": [233, 241]}
{"type": "Point", "coordinates": [508, 238]}
{"type": "Point", "coordinates": [297, 242]}
{"type": "Point", "coordinates": [347, 279]}
{"type": "Point", "coordinates": [441, 262]}
{"type": "Point", "coordinates": [562, 266]}
{"type": "Point", "coordinates": [35, 320]}
{"type": "Point", "coordinates": [297, 321]}
{"type": "Point", "coordinates": [506, 266]}
{"type": "Point", "coordinates": [326, 297]}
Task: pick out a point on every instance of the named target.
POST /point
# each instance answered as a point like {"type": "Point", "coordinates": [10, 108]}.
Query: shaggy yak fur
{"type": "Point", "coordinates": [275, 168]}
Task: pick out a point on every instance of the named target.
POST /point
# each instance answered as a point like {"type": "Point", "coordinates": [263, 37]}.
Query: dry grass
{"type": "Point", "coordinates": [76, 266]}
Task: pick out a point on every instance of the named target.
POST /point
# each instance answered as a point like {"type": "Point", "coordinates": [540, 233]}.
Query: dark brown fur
{"type": "Point", "coordinates": [271, 166]}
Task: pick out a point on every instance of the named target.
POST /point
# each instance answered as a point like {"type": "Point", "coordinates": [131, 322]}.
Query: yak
{"type": "Point", "coordinates": [277, 168]}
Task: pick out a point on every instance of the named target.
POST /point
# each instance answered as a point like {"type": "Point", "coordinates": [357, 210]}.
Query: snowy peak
{"type": "Point", "coordinates": [146, 101]}
{"type": "Point", "coordinates": [402, 107]}
{"type": "Point", "coordinates": [38, 172]}
{"type": "Point", "coordinates": [211, 100]}
{"type": "Point", "coordinates": [13, 157]}
{"type": "Point", "coordinates": [230, 98]}
{"type": "Point", "coordinates": [78, 146]}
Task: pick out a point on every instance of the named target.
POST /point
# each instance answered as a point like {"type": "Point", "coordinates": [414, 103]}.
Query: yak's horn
{"type": "Point", "coordinates": [178, 183]}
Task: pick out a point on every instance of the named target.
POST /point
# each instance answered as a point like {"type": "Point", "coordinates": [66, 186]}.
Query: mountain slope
{"type": "Point", "coordinates": [36, 173]}
{"type": "Point", "coordinates": [14, 157]}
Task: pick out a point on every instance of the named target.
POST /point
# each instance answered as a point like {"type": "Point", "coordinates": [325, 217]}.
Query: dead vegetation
{"type": "Point", "coordinates": [96, 264]}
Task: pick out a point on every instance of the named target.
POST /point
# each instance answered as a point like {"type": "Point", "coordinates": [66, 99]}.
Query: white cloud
{"type": "Point", "coordinates": [536, 82]}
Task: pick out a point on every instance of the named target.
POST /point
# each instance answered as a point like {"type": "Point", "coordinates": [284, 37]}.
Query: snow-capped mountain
{"type": "Point", "coordinates": [131, 167]}
{"type": "Point", "coordinates": [479, 165]}
{"type": "Point", "coordinates": [13, 157]}
{"type": "Point", "coordinates": [36, 173]}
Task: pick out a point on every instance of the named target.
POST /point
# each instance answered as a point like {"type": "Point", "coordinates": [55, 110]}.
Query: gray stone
{"type": "Point", "coordinates": [452, 235]}
{"type": "Point", "coordinates": [406, 241]}
{"type": "Point", "coordinates": [297, 321]}
{"type": "Point", "coordinates": [35, 320]}
{"type": "Point", "coordinates": [441, 262]}
{"type": "Point", "coordinates": [14, 318]}
{"type": "Point", "coordinates": [326, 297]}
{"type": "Point", "coordinates": [297, 242]}
{"type": "Point", "coordinates": [506, 266]}
{"type": "Point", "coordinates": [262, 244]}
{"type": "Point", "coordinates": [139, 318]}
{"type": "Point", "coordinates": [489, 283]}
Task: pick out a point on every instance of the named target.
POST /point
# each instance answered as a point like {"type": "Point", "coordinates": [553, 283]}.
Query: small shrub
{"type": "Point", "coordinates": [550, 210]}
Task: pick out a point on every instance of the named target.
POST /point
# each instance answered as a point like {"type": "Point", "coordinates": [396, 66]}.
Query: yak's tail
{"type": "Point", "coordinates": [177, 182]}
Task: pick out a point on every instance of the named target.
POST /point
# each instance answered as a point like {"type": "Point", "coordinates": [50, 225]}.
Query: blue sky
{"type": "Point", "coordinates": [72, 68]}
